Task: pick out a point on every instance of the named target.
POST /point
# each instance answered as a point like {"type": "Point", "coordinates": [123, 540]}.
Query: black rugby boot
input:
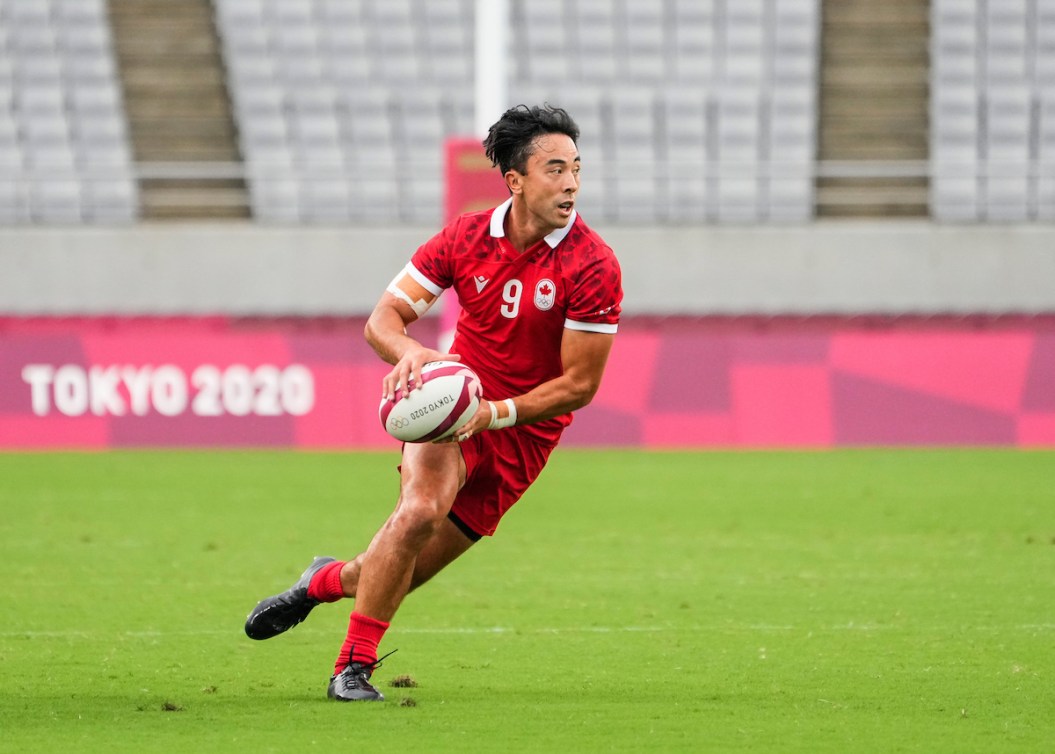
{"type": "Point", "coordinates": [281, 612]}
{"type": "Point", "coordinates": [353, 684]}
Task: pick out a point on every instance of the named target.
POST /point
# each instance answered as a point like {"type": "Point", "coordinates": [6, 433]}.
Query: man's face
{"type": "Point", "coordinates": [551, 182]}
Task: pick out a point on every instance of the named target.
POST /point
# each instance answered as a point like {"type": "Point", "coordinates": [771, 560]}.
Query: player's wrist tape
{"type": "Point", "coordinates": [507, 421]}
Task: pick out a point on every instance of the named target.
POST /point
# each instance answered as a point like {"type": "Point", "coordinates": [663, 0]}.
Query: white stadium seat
{"type": "Point", "coordinates": [403, 73]}
{"type": "Point", "coordinates": [64, 149]}
{"type": "Point", "coordinates": [989, 93]}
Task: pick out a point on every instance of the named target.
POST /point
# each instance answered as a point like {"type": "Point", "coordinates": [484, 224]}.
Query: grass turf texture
{"type": "Point", "coordinates": [815, 602]}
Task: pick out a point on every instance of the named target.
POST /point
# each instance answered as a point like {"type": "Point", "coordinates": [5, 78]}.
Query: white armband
{"type": "Point", "coordinates": [508, 421]}
{"type": "Point", "coordinates": [420, 306]}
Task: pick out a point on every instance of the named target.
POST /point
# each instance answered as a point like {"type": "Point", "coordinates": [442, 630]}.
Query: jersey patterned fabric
{"type": "Point", "coordinates": [516, 306]}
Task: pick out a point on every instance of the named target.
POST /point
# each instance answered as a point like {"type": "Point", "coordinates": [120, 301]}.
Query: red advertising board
{"type": "Point", "coordinates": [472, 184]}
{"type": "Point", "coordinates": [201, 382]}
{"type": "Point", "coordinates": [95, 383]}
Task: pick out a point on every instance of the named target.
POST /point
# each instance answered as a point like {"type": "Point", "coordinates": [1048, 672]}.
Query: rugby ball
{"type": "Point", "coordinates": [448, 397]}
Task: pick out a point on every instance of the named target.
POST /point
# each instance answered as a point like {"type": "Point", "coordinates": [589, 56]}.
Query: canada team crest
{"type": "Point", "coordinates": [545, 295]}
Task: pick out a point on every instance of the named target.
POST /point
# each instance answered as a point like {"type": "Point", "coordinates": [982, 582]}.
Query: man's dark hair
{"type": "Point", "coordinates": [510, 141]}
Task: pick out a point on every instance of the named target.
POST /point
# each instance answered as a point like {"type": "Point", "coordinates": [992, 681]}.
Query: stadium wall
{"type": "Point", "coordinates": [253, 270]}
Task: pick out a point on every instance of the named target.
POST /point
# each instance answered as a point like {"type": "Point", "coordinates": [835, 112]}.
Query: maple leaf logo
{"type": "Point", "coordinates": [545, 295]}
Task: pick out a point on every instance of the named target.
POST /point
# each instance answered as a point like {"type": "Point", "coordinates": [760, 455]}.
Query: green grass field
{"type": "Point", "coordinates": [850, 601]}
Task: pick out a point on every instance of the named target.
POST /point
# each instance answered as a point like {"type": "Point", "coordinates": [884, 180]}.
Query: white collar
{"type": "Point", "coordinates": [498, 228]}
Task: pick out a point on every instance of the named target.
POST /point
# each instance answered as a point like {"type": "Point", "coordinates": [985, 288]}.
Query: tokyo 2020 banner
{"type": "Point", "coordinates": [93, 383]}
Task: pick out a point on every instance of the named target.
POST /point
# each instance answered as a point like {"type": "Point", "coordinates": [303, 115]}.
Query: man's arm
{"type": "Point", "coordinates": [386, 332]}
{"type": "Point", "coordinates": [584, 355]}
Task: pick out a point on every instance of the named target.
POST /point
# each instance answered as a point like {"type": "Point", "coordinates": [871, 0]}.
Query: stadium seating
{"type": "Point", "coordinates": [1045, 108]}
{"type": "Point", "coordinates": [64, 150]}
{"type": "Point", "coordinates": [992, 102]}
{"type": "Point", "coordinates": [693, 110]}
{"type": "Point", "coordinates": [342, 105]}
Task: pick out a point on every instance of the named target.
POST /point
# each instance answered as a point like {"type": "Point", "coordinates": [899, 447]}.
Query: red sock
{"type": "Point", "coordinates": [364, 634]}
{"type": "Point", "coordinates": [325, 586]}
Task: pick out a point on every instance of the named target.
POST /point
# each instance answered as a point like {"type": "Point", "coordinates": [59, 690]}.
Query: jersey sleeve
{"type": "Point", "coordinates": [432, 264]}
{"type": "Point", "coordinates": [596, 300]}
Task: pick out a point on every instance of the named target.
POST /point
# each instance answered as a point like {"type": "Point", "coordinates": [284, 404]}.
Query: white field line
{"type": "Point", "coordinates": [759, 627]}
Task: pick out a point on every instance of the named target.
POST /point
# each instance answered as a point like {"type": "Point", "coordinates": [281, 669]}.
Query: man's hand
{"type": "Point", "coordinates": [480, 421]}
{"type": "Point", "coordinates": [407, 370]}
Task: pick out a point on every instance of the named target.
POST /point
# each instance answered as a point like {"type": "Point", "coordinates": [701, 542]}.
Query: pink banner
{"type": "Point", "coordinates": [471, 182]}
{"type": "Point", "coordinates": [314, 383]}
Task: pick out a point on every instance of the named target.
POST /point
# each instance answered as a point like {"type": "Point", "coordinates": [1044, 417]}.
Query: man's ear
{"type": "Point", "coordinates": [513, 181]}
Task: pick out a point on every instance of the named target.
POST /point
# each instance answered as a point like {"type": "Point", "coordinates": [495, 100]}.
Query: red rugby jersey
{"type": "Point", "coordinates": [516, 306]}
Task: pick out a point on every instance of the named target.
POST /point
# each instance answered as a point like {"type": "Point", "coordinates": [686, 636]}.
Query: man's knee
{"type": "Point", "coordinates": [418, 519]}
{"type": "Point", "coordinates": [431, 476]}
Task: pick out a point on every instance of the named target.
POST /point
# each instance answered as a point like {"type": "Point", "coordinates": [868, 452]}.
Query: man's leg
{"type": "Point", "coordinates": [329, 580]}
{"type": "Point", "coordinates": [445, 546]}
{"type": "Point", "coordinates": [431, 476]}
